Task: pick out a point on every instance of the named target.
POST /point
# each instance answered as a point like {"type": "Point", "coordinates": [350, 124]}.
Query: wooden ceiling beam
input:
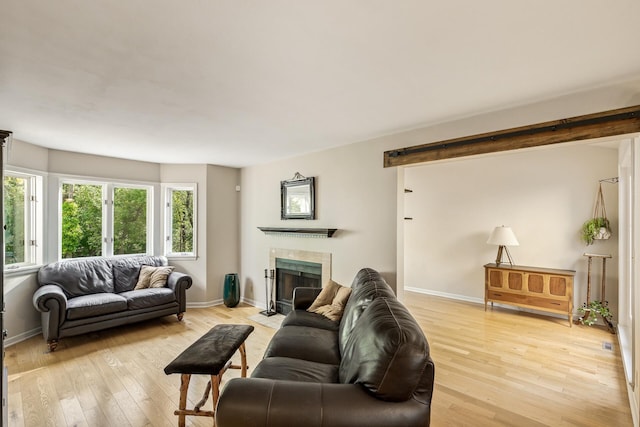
{"type": "Point", "coordinates": [607, 123]}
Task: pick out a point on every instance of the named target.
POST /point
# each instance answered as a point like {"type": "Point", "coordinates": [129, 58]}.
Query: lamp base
{"type": "Point", "coordinates": [502, 249]}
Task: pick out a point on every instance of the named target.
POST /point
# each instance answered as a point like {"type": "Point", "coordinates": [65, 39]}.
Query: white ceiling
{"type": "Point", "coordinates": [245, 82]}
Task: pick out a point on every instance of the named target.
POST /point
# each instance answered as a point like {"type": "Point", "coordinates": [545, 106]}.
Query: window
{"type": "Point", "coordinates": [104, 219]}
{"type": "Point", "coordinates": [180, 220]}
{"type": "Point", "coordinates": [81, 220]}
{"type": "Point", "coordinates": [129, 220]}
{"type": "Point", "coordinates": [22, 219]}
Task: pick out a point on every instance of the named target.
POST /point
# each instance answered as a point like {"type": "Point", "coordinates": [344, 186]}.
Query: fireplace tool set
{"type": "Point", "coordinates": [269, 276]}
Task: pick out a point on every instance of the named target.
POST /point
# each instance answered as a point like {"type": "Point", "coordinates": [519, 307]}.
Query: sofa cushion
{"type": "Point", "coordinates": [94, 305]}
{"type": "Point", "coordinates": [305, 318]}
{"type": "Point", "coordinates": [285, 368]}
{"type": "Point", "coordinates": [306, 343]}
{"type": "Point", "coordinates": [387, 351]}
{"type": "Point", "coordinates": [153, 277]}
{"type": "Point", "coordinates": [331, 300]}
{"type": "Point", "coordinates": [150, 297]}
{"type": "Point", "coordinates": [78, 277]}
{"type": "Point", "coordinates": [326, 295]}
{"type": "Point", "coordinates": [366, 287]}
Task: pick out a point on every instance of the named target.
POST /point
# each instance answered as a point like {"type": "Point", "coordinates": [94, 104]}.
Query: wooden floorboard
{"type": "Point", "coordinates": [496, 368]}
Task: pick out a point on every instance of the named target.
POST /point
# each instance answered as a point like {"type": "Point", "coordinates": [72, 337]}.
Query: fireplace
{"type": "Point", "coordinates": [304, 274]}
{"type": "Point", "coordinates": [290, 274]}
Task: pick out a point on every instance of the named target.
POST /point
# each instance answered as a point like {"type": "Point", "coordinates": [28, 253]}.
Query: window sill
{"type": "Point", "coordinates": [174, 257]}
{"type": "Point", "coordinates": [21, 271]}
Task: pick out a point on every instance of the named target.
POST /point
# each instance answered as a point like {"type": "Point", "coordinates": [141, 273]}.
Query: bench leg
{"type": "Point", "coordinates": [243, 360]}
{"type": "Point", "coordinates": [184, 386]}
{"type": "Point", "coordinates": [204, 399]}
{"type": "Point", "coordinates": [215, 380]}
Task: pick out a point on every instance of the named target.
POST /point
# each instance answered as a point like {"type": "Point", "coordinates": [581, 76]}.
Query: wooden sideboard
{"type": "Point", "coordinates": [545, 289]}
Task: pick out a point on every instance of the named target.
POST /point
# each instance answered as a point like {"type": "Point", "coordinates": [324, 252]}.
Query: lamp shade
{"type": "Point", "coordinates": [503, 236]}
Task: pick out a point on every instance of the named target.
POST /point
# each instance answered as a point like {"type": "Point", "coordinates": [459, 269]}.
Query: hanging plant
{"type": "Point", "coordinates": [595, 228]}
{"type": "Point", "coordinates": [598, 227]}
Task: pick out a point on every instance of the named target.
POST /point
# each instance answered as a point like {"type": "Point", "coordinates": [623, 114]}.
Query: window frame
{"type": "Point", "coordinates": [108, 217]}
{"type": "Point", "coordinates": [33, 221]}
{"type": "Point", "coordinates": [167, 203]}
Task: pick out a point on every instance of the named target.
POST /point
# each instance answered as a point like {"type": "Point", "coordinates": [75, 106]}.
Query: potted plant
{"type": "Point", "coordinates": [598, 227]}
{"type": "Point", "coordinates": [595, 228]}
{"type": "Point", "coordinates": [592, 310]}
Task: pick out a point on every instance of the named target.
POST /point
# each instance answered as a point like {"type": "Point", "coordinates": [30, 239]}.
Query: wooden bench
{"type": "Point", "coordinates": [209, 355]}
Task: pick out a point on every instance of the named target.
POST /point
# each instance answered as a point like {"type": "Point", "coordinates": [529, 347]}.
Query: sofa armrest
{"type": "Point", "coordinates": [179, 283]}
{"type": "Point", "coordinates": [304, 297]}
{"type": "Point", "coordinates": [51, 301]}
{"type": "Point", "coordinates": [265, 402]}
{"type": "Point", "coordinates": [49, 298]}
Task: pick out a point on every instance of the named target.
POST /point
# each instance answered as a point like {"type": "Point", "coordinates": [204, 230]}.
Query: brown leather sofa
{"type": "Point", "coordinates": [371, 369]}
{"type": "Point", "coordinates": [89, 294]}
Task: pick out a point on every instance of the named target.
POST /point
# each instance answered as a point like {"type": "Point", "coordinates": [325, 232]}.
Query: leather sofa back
{"type": "Point", "coordinates": [366, 287]}
{"type": "Point", "coordinates": [77, 277]}
{"type": "Point", "coordinates": [126, 270]}
{"type": "Point", "coordinates": [387, 352]}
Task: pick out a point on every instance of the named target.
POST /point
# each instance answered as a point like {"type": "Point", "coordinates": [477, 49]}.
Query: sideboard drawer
{"type": "Point", "coordinates": [528, 300]}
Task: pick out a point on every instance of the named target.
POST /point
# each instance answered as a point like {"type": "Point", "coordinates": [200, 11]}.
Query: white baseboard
{"type": "Point", "coordinates": [445, 295]}
{"type": "Point", "coordinates": [23, 336]}
{"type": "Point", "coordinates": [220, 302]}
{"type": "Point", "coordinates": [253, 303]}
{"type": "Point", "coordinates": [206, 304]}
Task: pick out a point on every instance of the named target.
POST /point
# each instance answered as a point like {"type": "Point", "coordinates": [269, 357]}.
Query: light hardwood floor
{"type": "Point", "coordinates": [494, 368]}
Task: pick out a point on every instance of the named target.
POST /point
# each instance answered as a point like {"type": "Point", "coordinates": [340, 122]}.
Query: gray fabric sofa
{"type": "Point", "coordinates": [372, 368]}
{"type": "Point", "coordinates": [89, 294]}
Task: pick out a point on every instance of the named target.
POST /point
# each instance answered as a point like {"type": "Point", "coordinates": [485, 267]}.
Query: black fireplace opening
{"type": "Point", "coordinates": [291, 274]}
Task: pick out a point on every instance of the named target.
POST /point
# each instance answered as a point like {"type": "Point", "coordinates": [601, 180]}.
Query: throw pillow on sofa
{"type": "Point", "coordinates": [153, 277]}
{"type": "Point", "coordinates": [331, 300]}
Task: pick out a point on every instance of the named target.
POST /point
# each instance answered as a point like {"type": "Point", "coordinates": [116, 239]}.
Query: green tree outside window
{"type": "Point", "coordinates": [14, 217]}
{"type": "Point", "coordinates": [130, 221]}
{"type": "Point", "coordinates": [81, 220]}
{"type": "Point", "coordinates": [182, 221]}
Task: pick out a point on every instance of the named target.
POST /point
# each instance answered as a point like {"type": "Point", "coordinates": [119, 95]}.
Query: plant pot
{"type": "Point", "coordinates": [602, 234]}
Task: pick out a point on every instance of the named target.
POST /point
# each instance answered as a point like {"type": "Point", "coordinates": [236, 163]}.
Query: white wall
{"type": "Point", "coordinates": [633, 294]}
{"type": "Point", "coordinates": [545, 195]}
{"type": "Point", "coordinates": [218, 228]}
{"type": "Point", "coordinates": [354, 194]}
{"type": "Point", "coordinates": [25, 155]}
{"type": "Point", "coordinates": [223, 228]}
{"type": "Point", "coordinates": [88, 165]}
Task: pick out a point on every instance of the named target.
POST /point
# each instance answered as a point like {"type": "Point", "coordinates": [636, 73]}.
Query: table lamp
{"type": "Point", "coordinates": [503, 237]}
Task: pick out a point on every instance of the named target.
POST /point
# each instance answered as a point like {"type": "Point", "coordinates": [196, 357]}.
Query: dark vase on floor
{"type": "Point", "coordinates": [231, 293]}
